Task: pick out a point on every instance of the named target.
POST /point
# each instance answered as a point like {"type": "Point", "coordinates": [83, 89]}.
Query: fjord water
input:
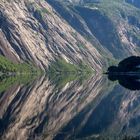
{"type": "Point", "coordinates": [68, 109]}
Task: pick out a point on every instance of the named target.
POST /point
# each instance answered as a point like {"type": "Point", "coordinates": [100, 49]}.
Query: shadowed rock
{"type": "Point", "coordinates": [130, 64]}
{"type": "Point", "coordinates": [127, 73]}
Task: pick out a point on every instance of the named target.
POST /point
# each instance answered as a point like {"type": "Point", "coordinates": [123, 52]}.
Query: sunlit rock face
{"type": "Point", "coordinates": [34, 31]}
{"type": "Point", "coordinates": [87, 108]}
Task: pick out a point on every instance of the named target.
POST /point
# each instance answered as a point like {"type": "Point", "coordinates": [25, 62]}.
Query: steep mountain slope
{"type": "Point", "coordinates": [31, 30]}
{"type": "Point", "coordinates": [134, 2]}
{"type": "Point", "coordinates": [113, 25]}
{"type": "Point", "coordinates": [79, 1]}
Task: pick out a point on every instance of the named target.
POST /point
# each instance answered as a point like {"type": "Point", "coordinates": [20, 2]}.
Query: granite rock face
{"type": "Point", "coordinates": [31, 30]}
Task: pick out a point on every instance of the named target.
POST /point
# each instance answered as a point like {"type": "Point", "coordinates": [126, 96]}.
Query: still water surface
{"type": "Point", "coordinates": [61, 108]}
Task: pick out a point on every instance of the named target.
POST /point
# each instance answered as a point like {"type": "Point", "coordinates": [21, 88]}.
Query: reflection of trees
{"type": "Point", "coordinates": [131, 82]}
{"type": "Point", "coordinates": [127, 73]}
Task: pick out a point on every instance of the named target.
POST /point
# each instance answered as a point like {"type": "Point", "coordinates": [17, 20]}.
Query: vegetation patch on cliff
{"type": "Point", "coordinates": [7, 66]}
{"type": "Point", "coordinates": [61, 72]}
{"type": "Point", "coordinates": [61, 66]}
{"type": "Point", "coordinates": [62, 79]}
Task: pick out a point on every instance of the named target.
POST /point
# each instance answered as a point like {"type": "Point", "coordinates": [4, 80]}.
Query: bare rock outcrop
{"type": "Point", "coordinates": [34, 31]}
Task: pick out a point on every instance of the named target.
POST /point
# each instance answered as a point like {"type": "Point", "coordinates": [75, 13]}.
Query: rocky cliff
{"type": "Point", "coordinates": [32, 30]}
{"type": "Point", "coordinates": [92, 32]}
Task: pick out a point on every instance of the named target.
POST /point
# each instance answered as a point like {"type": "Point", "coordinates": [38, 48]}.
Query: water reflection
{"type": "Point", "coordinates": [92, 109]}
{"type": "Point", "coordinates": [129, 81]}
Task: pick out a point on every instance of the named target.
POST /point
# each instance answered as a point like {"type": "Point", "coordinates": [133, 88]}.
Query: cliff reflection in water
{"type": "Point", "coordinates": [89, 109]}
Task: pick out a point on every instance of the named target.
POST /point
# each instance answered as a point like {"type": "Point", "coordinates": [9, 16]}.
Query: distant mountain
{"type": "Point", "coordinates": [113, 25]}
{"type": "Point", "coordinates": [134, 2]}
{"type": "Point", "coordinates": [80, 1]}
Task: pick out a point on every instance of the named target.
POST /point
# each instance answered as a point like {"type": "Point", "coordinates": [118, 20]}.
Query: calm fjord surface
{"type": "Point", "coordinates": [95, 108]}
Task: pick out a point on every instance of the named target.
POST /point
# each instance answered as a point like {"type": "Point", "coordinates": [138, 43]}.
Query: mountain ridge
{"type": "Point", "coordinates": [112, 25]}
